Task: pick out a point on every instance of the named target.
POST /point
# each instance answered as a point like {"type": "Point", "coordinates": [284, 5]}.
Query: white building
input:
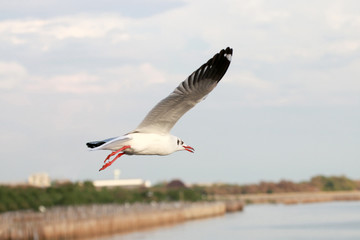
{"type": "Point", "coordinates": [117, 182]}
{"type": "Point", "coordinates": [39, 180]}
{"type": "Point", "coordinates": [122, 183]}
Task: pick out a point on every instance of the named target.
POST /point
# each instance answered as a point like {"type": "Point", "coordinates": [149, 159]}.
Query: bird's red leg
{"type": "Point", "coordinates": [111, 162]}
{"type": "Point", "coordinates": [115, 152]}
{"type": "Point", "coordinates": [112, 154]}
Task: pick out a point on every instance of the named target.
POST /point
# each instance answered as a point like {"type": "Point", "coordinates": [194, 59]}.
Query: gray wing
{"type": "Point", "coordinates": [191, 91]}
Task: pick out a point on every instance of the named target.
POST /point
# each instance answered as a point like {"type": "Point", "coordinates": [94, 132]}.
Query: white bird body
{"type": "Point", "coordinates": [144, 144]}
{"type": "Point", "coordinates": [152, 136]}
{"type": "Point", "coordinates": [153, 144]}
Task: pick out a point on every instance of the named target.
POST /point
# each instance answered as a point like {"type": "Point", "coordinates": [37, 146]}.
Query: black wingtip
{"type": "Point", "coordinates": [223, 56]}
{"type": "Point", "coordinates": [228, 52]}
{"type": "Point", "coordinates": [214, 69]}
{"type": "Point", "coordinates": [220, 63]}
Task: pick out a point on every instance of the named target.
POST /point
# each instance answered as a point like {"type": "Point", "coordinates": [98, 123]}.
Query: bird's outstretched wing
{"type": "Point", "coordinates": [191, 91]}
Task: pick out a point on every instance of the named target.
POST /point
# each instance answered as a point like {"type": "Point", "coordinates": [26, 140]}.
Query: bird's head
{"type": "Point", "coordinates": [182, 146]}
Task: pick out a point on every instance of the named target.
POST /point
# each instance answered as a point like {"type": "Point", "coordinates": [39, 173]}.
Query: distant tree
{"type": "Point", "coordinates": [176, 184]}
{"type": "Point", "coordinates": [333, 183]}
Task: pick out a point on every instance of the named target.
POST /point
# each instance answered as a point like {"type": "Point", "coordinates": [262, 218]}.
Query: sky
{"type": "Point", "coordinates": [77, 71]}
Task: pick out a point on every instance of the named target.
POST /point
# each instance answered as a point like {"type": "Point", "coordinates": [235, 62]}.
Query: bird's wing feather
{"type": "Point", "coordinates": [191, 91]}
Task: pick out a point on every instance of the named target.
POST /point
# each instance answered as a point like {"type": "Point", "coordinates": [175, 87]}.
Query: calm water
{"type": "Point", "coordinates": [335, 220]}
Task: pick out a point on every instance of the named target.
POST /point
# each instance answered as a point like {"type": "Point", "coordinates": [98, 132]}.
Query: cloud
{"type": "Point", "coordinates": [274, 57]}
{"type": "Point", "coordinates": [342, 16]}
{"type": "Point", "coordinates": [78, 83]}
{"type": "Point", "coordinates": [47, 31]}
{"type": "Point", "coordinates": [137, 75]}
{"type": "Point", "coordinates": [247, 79]}
{"type": "Point", "coordinates": [15, 76]}
{"type": "Point", "coordinates": [46, 9]}
{"type": "Point", "coordinates": [11, 75]}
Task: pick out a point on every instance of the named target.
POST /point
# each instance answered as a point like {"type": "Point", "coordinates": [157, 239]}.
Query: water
{"type": "Point", "coordinates": [335, 220]}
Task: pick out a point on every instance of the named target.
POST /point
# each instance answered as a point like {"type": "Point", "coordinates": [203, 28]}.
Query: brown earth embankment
{"type": "Point", "coordinates": [294, 198]}
{"type": "Point", "coordinates": [97, 220]}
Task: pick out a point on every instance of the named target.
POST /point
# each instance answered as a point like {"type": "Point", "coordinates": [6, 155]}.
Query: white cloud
{"type": "Point", "coordinates": [141, 74]}
{"type": "Point", "coordinates": [11, 75]}
{"type": "Point", "coordinates": [14, 75]}
{"type": "Point", "coordinates": [83, 26]}
{"type": "Point", "coordinates": [46, 31]}
{"type": "Point", "coordinates": [78, 83]}
{"type": "Point", "coordinates": [342, 16]}
{"type": "Point", "coordinates": [264, 36]}
{"type": "Point", "coordinates": [247, 79]}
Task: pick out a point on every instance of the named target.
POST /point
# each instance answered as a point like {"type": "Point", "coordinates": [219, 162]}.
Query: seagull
{"type": "Point", "coordinates": [152, 136]}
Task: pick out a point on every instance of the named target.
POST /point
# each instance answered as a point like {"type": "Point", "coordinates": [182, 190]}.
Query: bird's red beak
{"type": "Point", "coordinates": [189, 149]}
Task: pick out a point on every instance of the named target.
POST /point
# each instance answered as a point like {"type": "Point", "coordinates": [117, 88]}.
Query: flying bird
{"type": "Point", "coordinates": [152, 136]}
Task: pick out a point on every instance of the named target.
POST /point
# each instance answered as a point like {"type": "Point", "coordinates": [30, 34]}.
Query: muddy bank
{"type": "Point", "coordinates": [97, 220]}
{"type": "Point", "coordinates": [294, 198]}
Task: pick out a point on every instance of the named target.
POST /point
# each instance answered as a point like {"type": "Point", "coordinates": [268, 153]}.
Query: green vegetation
{"type": "Point", "coordinates": [334, 183]}
{"type": "Point", "coordinates": [317, 183]}
{"type": "Point", "coordinates": [25, 197]}
{"type": "Point", "coordinates": [16, 198]}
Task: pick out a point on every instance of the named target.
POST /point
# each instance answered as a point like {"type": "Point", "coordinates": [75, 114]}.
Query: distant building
{"type": "Point", "coordinates": [39, 180]}
{"type": "Point", "coordinates": [122, 183]}
{"type": "Point", "coordinates": [117, 182]}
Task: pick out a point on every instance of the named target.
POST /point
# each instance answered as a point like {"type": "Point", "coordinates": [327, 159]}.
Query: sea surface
{"type": "Point", "coordinates": [333, 220]}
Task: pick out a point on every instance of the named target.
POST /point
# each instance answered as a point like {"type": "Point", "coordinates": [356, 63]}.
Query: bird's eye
{"type": "Point", "coordinates": [178, 141]}
{"type": "Point", "coordinates": [182, 142]}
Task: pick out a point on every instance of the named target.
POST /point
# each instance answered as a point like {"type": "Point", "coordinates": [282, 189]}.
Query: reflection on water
{"type": "Point", "coordinates": [335, 220]}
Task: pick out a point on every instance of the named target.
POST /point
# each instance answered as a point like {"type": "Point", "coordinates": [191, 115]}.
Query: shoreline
{"type": "Point", "coordinates": [91, 221]}
{"type": "Point", "coordinates": [74, 222]}
{"type": "Point", "coordinates": [293, 198]}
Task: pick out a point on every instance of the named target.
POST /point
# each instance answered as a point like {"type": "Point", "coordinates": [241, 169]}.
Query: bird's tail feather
{"type": "Point", "coordinates": [105, 144]}
{"type": "Point", "coordinates": [95, 144]}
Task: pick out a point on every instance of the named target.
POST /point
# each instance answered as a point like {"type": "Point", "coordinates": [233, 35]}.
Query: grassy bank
{"type": "Point", "coordinates": [25, 197]}
{"type": "Point", "coordinates": [315, 184]}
